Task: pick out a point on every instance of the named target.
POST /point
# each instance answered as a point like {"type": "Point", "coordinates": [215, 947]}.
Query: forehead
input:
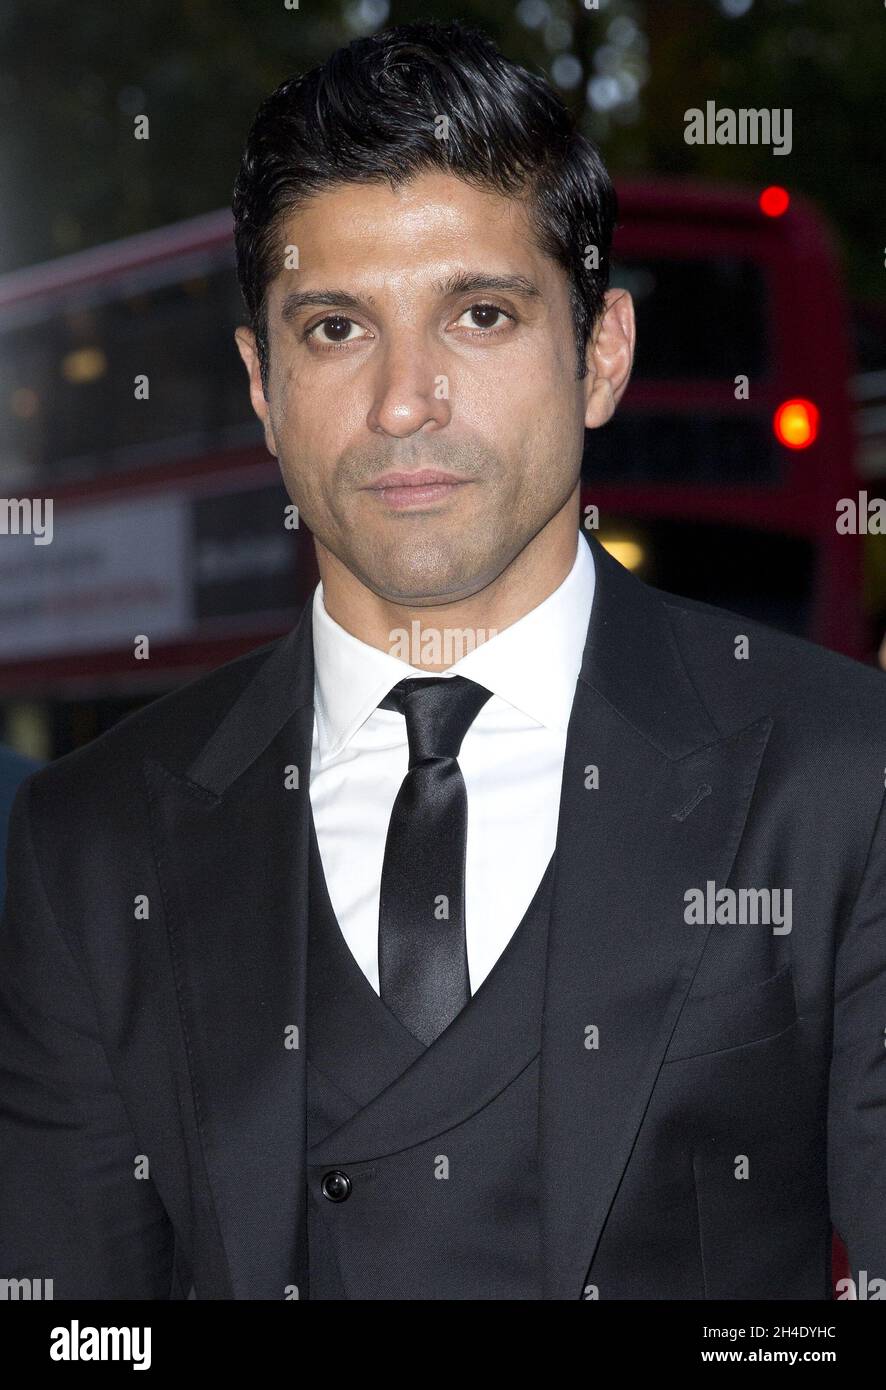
{"type": "Point", "coordinates": [434, 220]}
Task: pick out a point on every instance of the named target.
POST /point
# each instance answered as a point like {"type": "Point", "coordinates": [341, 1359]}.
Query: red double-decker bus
{"type": "Point", "coordinates": [122, 397]}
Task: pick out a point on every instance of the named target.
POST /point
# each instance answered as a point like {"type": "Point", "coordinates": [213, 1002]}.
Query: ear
{"type": "Point", "coordinates": [248, 349]}
{"type": "Point", "coordinates": [610, 357]}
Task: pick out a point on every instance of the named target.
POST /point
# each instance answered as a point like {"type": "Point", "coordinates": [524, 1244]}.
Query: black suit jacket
{"type": "Point", "coordinates": [712, 1095]}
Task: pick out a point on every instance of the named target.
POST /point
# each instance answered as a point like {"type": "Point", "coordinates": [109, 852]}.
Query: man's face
{"type": "Point", "coordinates": [391, 366]}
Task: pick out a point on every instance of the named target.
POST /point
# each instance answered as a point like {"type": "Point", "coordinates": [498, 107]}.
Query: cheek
{"type": "Point", "coordinates": [500, 406]}
{"type": "Point", "coordinates": [310, 424]}
{"type": "Point", "coordinates": [552, 447]}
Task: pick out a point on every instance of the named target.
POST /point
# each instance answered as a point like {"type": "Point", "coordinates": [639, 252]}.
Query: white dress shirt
{"type": "Point", "coordinates": [511, 760]}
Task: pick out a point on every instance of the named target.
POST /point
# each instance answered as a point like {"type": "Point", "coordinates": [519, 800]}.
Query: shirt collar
{"type": "Point", "coordinates": [532, 665]}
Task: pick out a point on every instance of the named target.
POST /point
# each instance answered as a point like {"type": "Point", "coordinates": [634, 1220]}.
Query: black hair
{"type": "Point", "coordinates": [371, 113]}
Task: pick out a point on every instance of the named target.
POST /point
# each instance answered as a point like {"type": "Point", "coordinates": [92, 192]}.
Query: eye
{"type": "Point", "coordinates": [337, 326]}
{"type": "Point", "coordinates": [484, 316]}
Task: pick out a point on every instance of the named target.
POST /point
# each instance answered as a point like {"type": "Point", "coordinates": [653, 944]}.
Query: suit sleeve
{"type": "Point", "coordinates": [71, 1206]}
{"type": "Point", "coordinates": [857, 1094]}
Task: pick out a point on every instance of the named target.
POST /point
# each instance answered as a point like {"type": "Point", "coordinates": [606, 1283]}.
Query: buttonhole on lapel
{"type": "Point", "coordinates": [703, 791]}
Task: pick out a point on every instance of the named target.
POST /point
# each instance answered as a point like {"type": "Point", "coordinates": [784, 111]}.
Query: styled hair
{"type": "Point", "coordinates": [371, 112]}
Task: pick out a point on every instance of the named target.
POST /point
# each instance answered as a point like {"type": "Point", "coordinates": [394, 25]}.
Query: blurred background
{"type": "Point", "coordinates": [117, 271]}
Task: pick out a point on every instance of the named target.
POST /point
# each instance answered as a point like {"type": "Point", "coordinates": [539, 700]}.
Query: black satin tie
{"type": "Point", "coordinates": [422, 946]}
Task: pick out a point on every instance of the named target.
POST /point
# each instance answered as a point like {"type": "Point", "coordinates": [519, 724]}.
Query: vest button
{"type": "Point", "coordinates": [336, 1186]}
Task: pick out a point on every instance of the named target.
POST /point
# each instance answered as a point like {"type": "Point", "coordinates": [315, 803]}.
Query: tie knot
{"type": "Point", "coordinates": [438, 710]}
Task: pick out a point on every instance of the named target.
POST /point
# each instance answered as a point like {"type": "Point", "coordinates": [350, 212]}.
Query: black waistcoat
{"type": "Point", "coordinates": [428, 1154]}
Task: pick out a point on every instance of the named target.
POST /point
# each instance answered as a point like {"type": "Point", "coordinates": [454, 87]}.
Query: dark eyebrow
{"type": "Point", "coordinates": [469, 282]}
{"type": "Point", "coordinates": [464, 282]}
{"type": "Point", "coordinates": [306, 299]}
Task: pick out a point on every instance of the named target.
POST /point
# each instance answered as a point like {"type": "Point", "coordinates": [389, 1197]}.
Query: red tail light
{"type": "Point", "coordinates": [796, 423]}
{"type": "Point", "coordinates": [774, 201]}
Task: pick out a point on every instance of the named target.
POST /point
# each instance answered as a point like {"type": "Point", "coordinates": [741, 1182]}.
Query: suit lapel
{"type": "Point", "coordinates": [667, 815]}
{"type": "Point", "coordinates": [231, 843]}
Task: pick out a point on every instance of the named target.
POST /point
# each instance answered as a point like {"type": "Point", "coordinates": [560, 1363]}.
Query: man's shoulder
{"type": "Point", "coordinates": [172, 729]}
{"type": "Point", "coordinates": [745, 667]}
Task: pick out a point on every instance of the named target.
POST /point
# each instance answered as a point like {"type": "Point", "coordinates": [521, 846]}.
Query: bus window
{"type": "Point", "coordinates": [696, 319]}
{"type": "Point", "coordinates": [659, 447]}
{"type": "Point", "coordinates": [72, 402]}
{"type": "Point", "coordinates": [758, 574]}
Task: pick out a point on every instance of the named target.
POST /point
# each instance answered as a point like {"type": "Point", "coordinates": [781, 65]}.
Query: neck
{"type": "Point", "coordinates": [433, 635]}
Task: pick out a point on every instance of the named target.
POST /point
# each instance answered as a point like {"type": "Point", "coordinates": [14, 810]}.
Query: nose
{"type": "Point", "coordinates": [408, 393]}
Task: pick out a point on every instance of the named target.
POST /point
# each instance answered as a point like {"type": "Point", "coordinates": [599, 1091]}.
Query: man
{"type": "Point", "coordinates": [357, 969]}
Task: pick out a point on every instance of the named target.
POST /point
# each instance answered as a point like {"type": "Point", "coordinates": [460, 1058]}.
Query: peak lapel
{"type": "Point", "coordinates": [667, 815]}
{"type": "Point", "coordinates": [231, 843]}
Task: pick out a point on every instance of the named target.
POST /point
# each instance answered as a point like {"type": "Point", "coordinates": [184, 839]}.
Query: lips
{"type": "Point", "coordinates": [410, 491]}
{"type": "Point", "coordinates": [425, 477]}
